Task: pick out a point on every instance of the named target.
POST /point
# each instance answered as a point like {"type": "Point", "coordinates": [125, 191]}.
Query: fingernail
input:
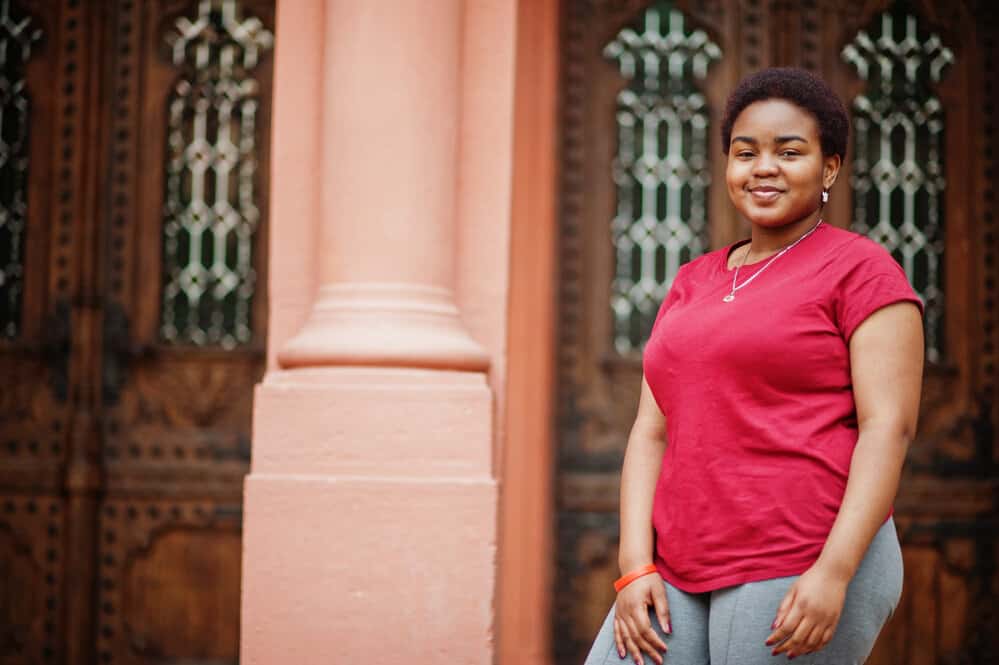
{"type": "Point", "coordinates": [770, 643]}
{"type": "Point", "coordinates": [773, 625]}
{"type": "Point", "coordinates": [669, 628]}
{"type": "Point", "coordinates": [774, 652]}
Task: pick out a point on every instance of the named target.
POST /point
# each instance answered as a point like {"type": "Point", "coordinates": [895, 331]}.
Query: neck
{"type": "Point", "coordinates": [770, 240]}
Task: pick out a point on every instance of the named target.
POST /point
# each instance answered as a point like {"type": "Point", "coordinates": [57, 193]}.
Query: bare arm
{"type": "Point", "coordinates": [886, 356]}
{"type": "Point", "coordinates": [639, 474]}
{"type": "Point", "coordinates": [886, 360]}
{"type": "Point", "coordinates": [633, 629]}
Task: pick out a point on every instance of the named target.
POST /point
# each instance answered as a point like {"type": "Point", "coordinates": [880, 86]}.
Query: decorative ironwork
{"type": "Point", "coordinates": [210, 204]}
{"type": "Point", "coordinates": [17, 35]}
{"type": "Point", "coordinates": [661, 167]}
{"type": "Point", "coordinates": [898, 168]}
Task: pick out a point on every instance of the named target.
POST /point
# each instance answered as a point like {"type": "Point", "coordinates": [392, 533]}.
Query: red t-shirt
{"type": "Point", "coordinates": [759, 406]}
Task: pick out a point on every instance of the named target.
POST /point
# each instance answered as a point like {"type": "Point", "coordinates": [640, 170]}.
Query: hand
{"type": "Point", "coordinates": [633, 630]}
{"type": "Point", "coordinates": [808, 615]}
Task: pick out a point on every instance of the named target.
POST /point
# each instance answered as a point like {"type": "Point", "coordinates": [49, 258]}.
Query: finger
{"type": "Point", "coordinates": [662, 608]}
{"type": "Point", "coordinates": [630, 640]}
{"type": "Point", "coordinates": [618, 640]}
{"type": "Point", "coordinates": [823, 636]}
{"type": "Point", "coordinates": [785, 628]}
{"type": "Point", "coordinates": [655, 644]}
{"type": "Point", "coordinates": [795, 644]}
{"type": "Point", "coordinates": [785, 606]}
{"type": "Point", "coordinates": [826, 637]}
{"type": "Point", "coordinates": [650, 634]}
{"type": "Point", "coordinates": [629, 644]}
{"type": "Point", "coordinates": [639, 636]}
{"type": "Point", "coordinates": [813, 641]}
{"type": "Point", "coordinates": [808, 642]}
{"type": "Point", "coordinates": [636, 653]}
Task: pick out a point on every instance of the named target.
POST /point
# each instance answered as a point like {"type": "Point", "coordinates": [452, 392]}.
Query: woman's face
{"type": "Point", "coordinates": [776, 170]}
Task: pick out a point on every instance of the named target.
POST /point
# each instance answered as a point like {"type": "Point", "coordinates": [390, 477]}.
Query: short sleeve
{"type": "Point", "coordinates": [870, 285]}
{"type": "Point", "coordinates": [668, 300]}
{"type": "Point", "coordinates": [662, 310]}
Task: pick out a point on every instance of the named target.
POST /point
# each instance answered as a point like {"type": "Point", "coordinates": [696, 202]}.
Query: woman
{"type": "Point", "coordinates": [780, 392]}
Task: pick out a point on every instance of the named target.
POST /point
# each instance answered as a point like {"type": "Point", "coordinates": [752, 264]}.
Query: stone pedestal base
{"type": "Point", "coordinates": [371, 514]}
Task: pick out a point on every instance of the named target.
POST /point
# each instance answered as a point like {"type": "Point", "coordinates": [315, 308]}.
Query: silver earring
{"type": "Point", "coordinates": [825, 196]}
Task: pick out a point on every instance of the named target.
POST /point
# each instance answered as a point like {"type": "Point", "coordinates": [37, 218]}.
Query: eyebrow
{"type": "Point", "coordinates": [780, 139]}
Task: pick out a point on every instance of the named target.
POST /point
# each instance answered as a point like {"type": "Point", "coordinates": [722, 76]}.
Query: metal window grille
{"type": "Point", "coordinates": [17, 35]}
{"type": "Point", "coordinates": [898, 168]}
{"type": "Point", "coordinates": [210, 214]}
{"type": "Point", "coordinates": [661, 166]}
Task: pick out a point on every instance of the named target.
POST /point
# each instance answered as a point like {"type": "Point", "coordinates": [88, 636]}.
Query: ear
{"type": "Point", "coordinates": [830, 169]}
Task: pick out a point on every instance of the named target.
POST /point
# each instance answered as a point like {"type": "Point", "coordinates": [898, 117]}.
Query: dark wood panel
{"type": "Point", "coordinates": [44, 404]}
{"type": "Point", "coordinates": [32, 565]}
{"type": "Point", "coordinates": [169, 581]}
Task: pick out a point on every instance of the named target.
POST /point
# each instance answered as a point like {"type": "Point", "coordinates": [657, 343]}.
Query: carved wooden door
{"type": "Point", "coordinates": [132, 195]}
{"type": "Point", "coordinates": [643, 86]}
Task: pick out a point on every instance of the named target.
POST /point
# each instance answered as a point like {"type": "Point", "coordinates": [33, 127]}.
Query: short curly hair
{"type": "Point", "coordinates": [800, 87]}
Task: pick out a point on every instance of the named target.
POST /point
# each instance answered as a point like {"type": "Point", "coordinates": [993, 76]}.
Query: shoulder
{"type": "Point", "coordinates": [849, 251]}
{"type": "Point", "coordinates": [704, 263]}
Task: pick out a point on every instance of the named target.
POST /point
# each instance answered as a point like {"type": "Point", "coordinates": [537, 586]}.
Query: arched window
{"type": "Point", "coordinates": [210, 211]}
{"type": "Point", "coordinates": [898, 167]}
{"type": "Point", "coordinates": [661, 167]}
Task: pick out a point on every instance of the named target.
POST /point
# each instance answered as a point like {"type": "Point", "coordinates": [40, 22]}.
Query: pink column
{"type": "Point", "coordinates": [370, 509]}
{"type": "Point", "coordinates": [389, 191]}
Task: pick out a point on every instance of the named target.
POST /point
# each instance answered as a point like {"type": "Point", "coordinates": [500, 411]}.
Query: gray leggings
{"type": "Point", "coordinates": [729, 626]}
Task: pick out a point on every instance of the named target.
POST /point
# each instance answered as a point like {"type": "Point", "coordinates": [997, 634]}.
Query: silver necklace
{"type": "Point", "coordinates": [731, 296]}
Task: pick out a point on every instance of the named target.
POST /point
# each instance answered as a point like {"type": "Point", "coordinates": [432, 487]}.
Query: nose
{"type": "Point", "coordinates": [765, 164]}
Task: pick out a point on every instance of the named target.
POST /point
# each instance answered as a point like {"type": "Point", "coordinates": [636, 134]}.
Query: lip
{"type": "Point", "coordinates": [765, 193]}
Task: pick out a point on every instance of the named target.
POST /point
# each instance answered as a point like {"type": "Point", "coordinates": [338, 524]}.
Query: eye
{"type": "Point", "coordinates": [744, 154]}
{"type": "Point", "coordinates": [789, 153]}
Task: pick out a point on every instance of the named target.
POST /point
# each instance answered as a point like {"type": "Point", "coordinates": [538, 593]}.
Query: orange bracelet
{"type": "Point", "coordinates": [625, 580]}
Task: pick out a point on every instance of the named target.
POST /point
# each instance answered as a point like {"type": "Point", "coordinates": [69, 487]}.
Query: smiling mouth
{"type": "Point", "coordinates": [765, 193]}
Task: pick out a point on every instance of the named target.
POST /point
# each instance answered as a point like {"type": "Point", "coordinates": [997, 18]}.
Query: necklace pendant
{"type": "Point", "coordinates": [729, 298]}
